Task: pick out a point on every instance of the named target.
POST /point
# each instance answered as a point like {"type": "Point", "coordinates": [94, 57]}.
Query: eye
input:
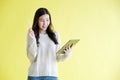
{"type": "Point", "coordinates": [47, 19]}
{"type": "Point", "coordinates": [42, 20]}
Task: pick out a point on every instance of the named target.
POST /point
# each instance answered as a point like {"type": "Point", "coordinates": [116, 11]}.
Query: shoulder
{"type": "Point", "coordinates": [57, 34]}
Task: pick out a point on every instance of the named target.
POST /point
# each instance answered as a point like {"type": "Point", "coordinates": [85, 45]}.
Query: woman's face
{"type": "Point", "coordinates": [43, 22]}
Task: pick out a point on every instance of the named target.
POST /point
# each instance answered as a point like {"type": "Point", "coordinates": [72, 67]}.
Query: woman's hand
{"type": "Point", "coordinates": [31, 33]}
{"type": "Point", "coordinates": [69, 49]}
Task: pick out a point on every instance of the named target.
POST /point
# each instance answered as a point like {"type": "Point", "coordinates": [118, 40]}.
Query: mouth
{"type": "Point", "coordinates": [44, 27]}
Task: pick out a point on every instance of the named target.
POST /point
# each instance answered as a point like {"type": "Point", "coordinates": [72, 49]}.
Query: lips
{"type": "Point", "coordinates": [43, 27]}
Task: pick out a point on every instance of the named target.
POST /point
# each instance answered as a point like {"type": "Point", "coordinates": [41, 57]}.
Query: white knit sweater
{"type": "Point", "coordinates": [44, 59]}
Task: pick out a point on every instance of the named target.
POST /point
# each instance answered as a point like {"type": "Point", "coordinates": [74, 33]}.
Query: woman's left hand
{"type": "Point", "coordinates": [69, 49]}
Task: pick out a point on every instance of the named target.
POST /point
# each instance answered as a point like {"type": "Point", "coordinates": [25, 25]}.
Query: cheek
{"type": "Point", "coordinates": [39, 24]}
{"type": "Point", "coordinates": [49, 23]}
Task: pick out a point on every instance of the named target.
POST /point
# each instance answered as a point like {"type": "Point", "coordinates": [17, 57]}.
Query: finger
{"type": "Point", "coordinates": [71, 45]}
{"type": "Point", "coordinates": [31, 34]}
{"type": "Point", "coordinates": [68, 46]}
{"type": "Point", "coordinates": [30, 30]}
{"type": "Point", "coordinates": [65, 50]}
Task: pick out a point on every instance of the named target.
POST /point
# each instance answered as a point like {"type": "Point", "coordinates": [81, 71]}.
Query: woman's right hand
{"type": "Point", "coordinates": [31, 33]}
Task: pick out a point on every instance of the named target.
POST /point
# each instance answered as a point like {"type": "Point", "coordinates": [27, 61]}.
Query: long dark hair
{"type": "Point", "coordinates": [35, 27]}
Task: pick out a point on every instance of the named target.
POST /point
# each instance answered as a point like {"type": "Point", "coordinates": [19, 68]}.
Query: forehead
{"type": "Point", "coordinates": [44, 16]}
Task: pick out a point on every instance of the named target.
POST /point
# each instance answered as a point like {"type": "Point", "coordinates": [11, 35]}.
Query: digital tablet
{"type": "Point", "coordinates": [69, 43]}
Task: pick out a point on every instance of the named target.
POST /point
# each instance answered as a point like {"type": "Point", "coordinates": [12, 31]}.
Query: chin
{"type": "Point", "coordinates": [44, 29]}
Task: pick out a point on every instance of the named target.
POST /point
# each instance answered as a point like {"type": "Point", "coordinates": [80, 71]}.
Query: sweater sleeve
{"type": "Point", "coordinates": [61, 57]}
{"type": "Point", "coordinates": [31, 48]}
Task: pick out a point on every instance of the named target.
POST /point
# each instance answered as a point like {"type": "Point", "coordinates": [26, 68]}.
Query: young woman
{"type": "Point", "coordinates": [42, 45]}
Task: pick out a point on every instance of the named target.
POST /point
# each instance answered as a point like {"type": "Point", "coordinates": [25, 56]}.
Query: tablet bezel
{"type": "Point", "coordinates": [69, 43]}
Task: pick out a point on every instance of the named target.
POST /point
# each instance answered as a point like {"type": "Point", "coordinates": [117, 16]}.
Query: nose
{"type": "Point", "coordinates": [45, 23]}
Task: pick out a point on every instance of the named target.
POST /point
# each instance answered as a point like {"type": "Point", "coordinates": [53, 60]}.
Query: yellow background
{"type": "Point", "coordinates": [95, 22]}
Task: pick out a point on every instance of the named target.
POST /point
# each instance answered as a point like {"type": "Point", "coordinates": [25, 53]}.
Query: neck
{"type": "Point", "coordinates": [43, 32]}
